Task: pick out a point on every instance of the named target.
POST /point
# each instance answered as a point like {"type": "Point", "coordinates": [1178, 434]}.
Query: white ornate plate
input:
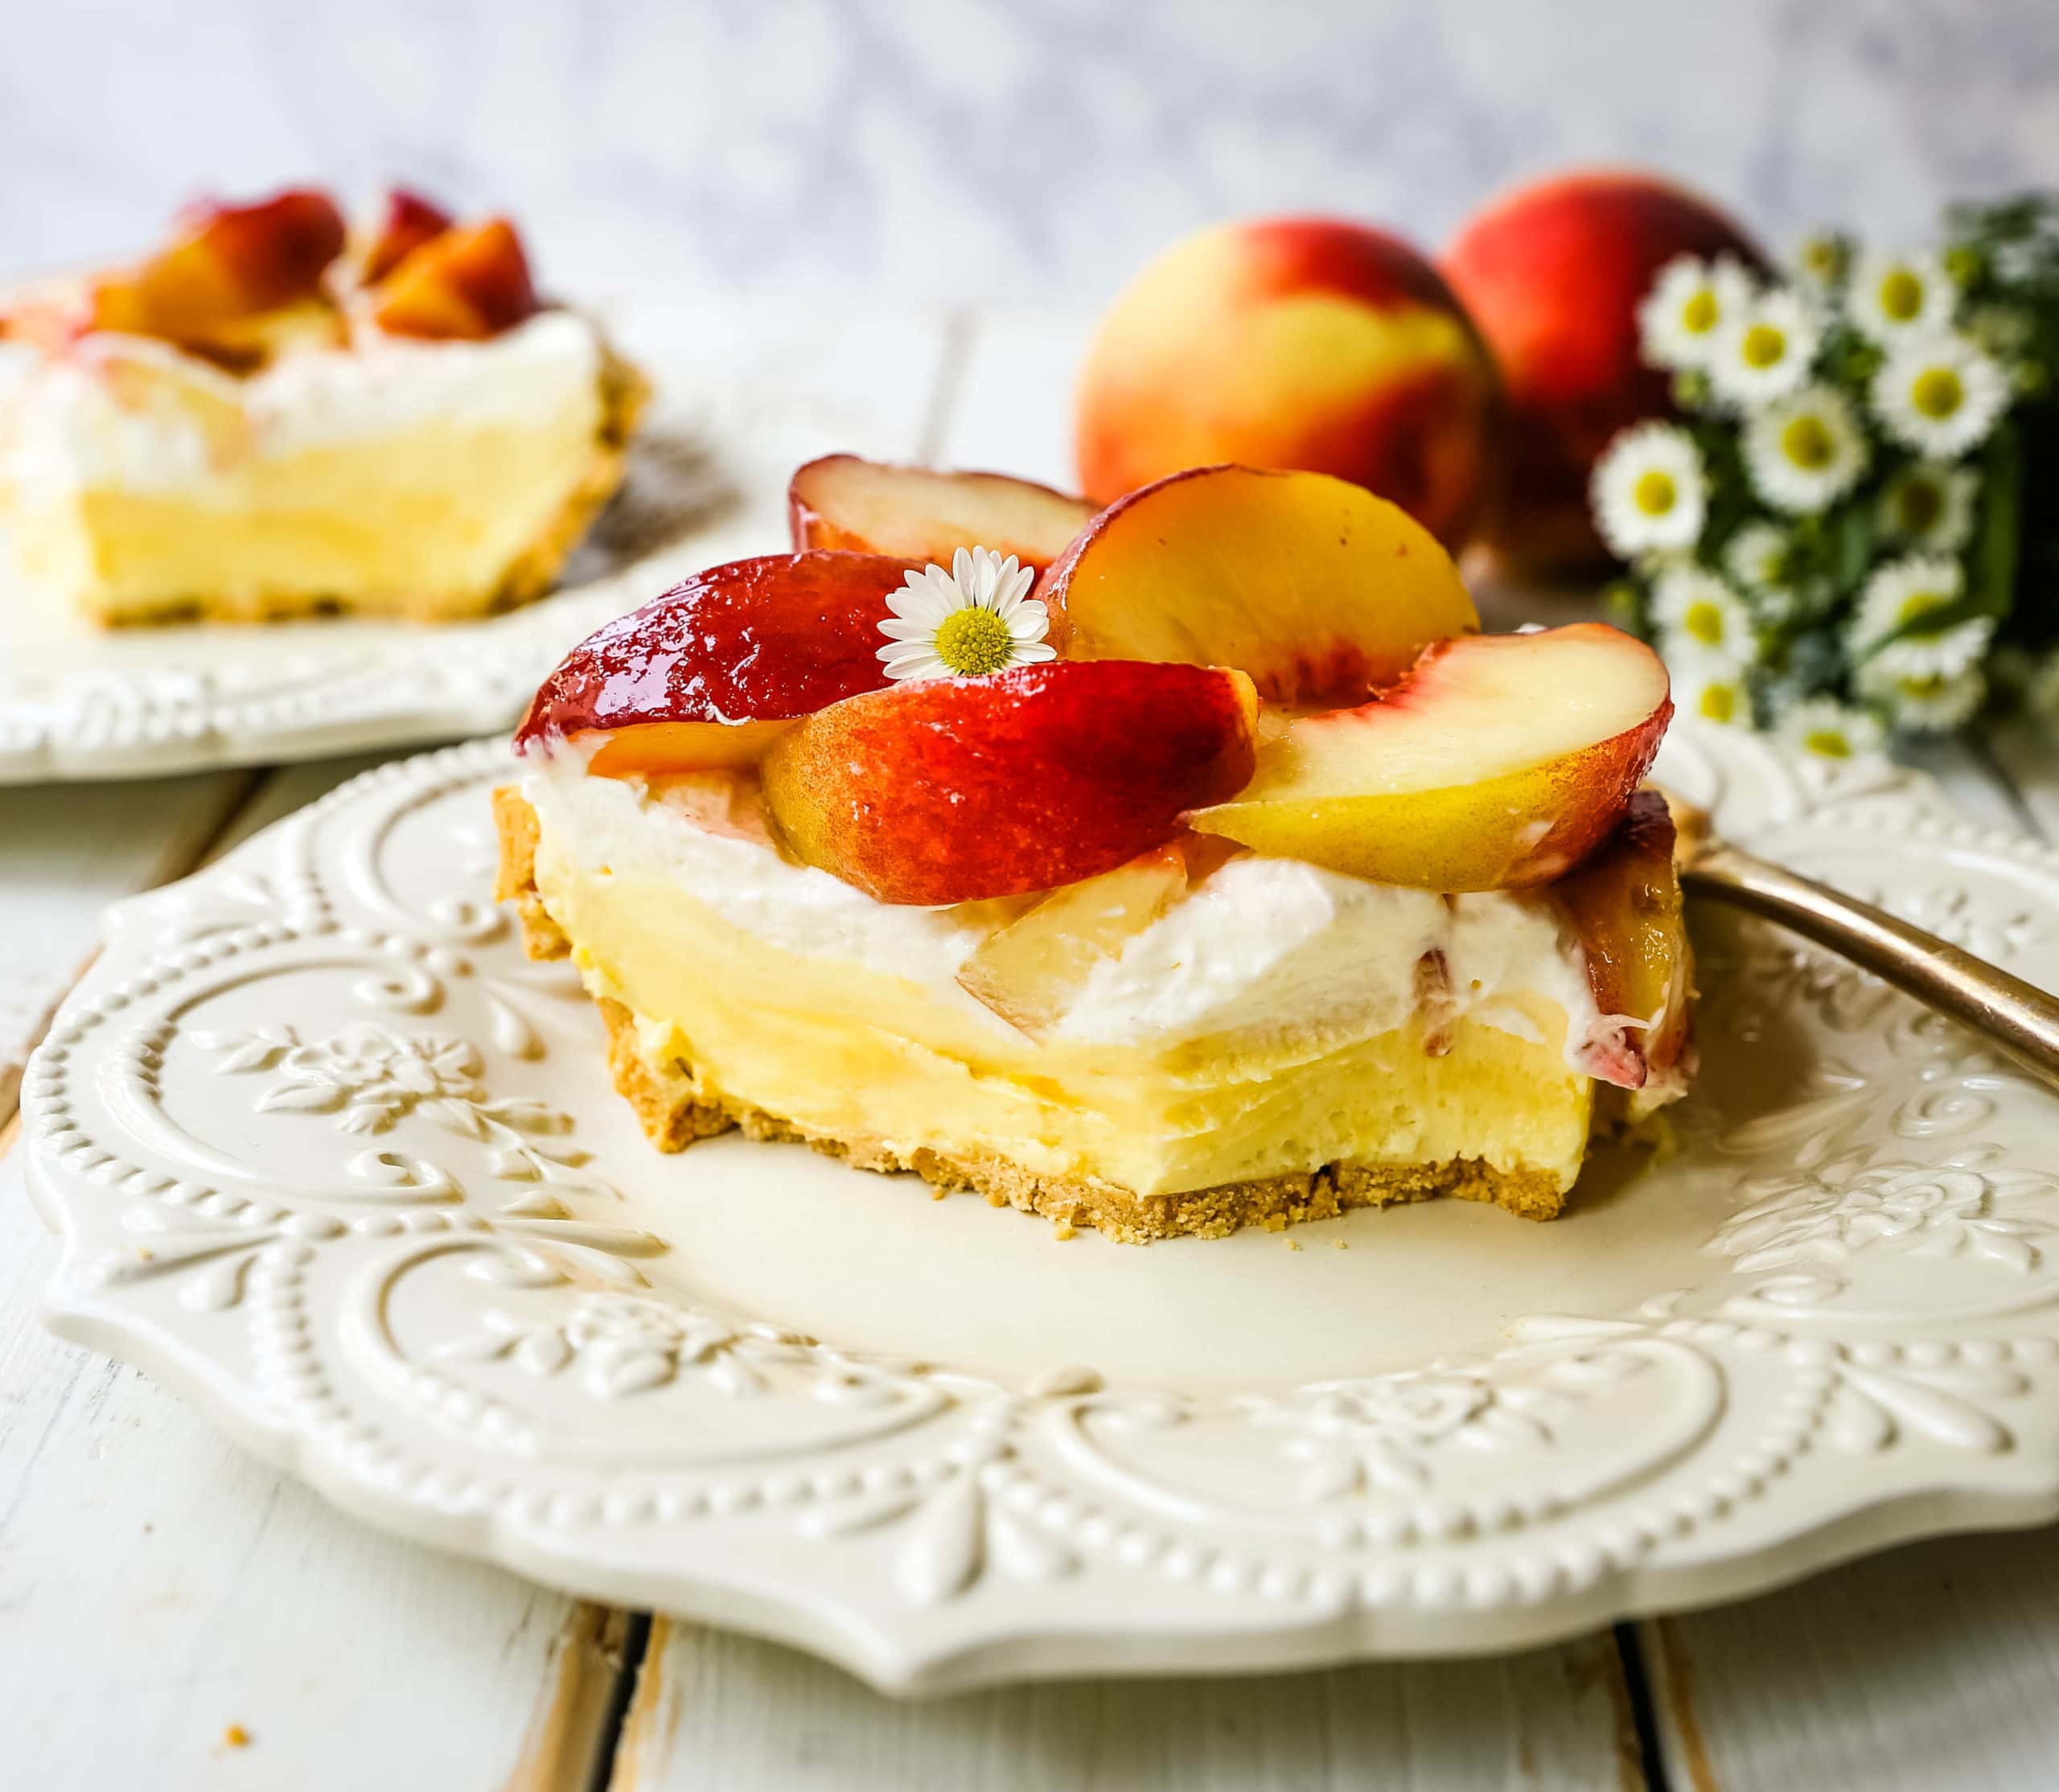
{"type": "Point", "coordinates": [707, 481]}
{"type": "Point", "coordinates": [331, 1156]}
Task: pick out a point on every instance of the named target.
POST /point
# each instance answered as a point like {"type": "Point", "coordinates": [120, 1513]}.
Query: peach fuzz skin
{"type": "Point", "coordinates": [1500, 761]}
{"type": "Point", "coordinates": [1319, 590]}
{"type": "Point", "coordinates": [1306, 343]}
{"type": "Point", "coordinates": [1553, 274]}
{"type": "Point", "coordinates": [956, 790]}
{"type": "Point", "coordinates": [859, 505]}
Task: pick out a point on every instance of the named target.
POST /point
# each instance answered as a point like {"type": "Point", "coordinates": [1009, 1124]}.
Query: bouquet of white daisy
{"type": "Point", "coordinates": [1832, 542]}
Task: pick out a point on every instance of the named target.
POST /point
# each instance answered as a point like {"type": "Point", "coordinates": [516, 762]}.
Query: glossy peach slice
{"type": "Point", "coordinates": [1501, 760]}
{"type": "Point", "coordinates": [406, 221]}
{"type": "Point", "coordinates": [708, 675]}
{"type": "Point", "coordinates": [1318, 590]}
{"type": "Point", "coordinates": [954, 789]}
{"type": "Point", "coordinates": [1624, 905]}
{"type": "Point", "coordinates": [226, 262]}
{"type": "Point", "coordinates": [873, 507]}
{"type": "Point", "coordinates": [465, 285]}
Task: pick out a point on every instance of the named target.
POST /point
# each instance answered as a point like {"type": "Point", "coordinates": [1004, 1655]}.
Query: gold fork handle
{"type": "Point", "coordinates": [2020, 1018]}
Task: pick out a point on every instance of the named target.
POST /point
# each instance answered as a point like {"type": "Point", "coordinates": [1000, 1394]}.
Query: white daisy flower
{"type": "Point", "coordinates": [1884, 632]}
{"type": "Point", "coordinates": [1822, 260]}
{"type": "Point", "coordinates": [1761, 557]}
{"type": "Point", "coordinates": [1893, 297]}
{"type": "Point", "coordinates": [1702, 617]}
{"type": "Point", "coordinates": [1928, 505]}
{"type": "Point", "coordinates": [2004, 331]}
{"type": "Point", "coordinates": [1924, 703]}
{"type": "Point", "coordinates": [1804, 452]}
{"type": "Point", "coordinates": [1939, 395]}
{"type": "Point", "coordinates": [1760, 563]}
{"type": "Point", "coordinates": [1764, 351]}
{"type": "Point", "coordinates": [1649, 491]}
{"type": "Point", "coordinates": [1714, 691]}
{"type": "Point", "coordinates": [1826, 728]}
{"type": "Point", "coordinates": [1688, 303]}
{"type": "Point", "coordinates": [975, 619]}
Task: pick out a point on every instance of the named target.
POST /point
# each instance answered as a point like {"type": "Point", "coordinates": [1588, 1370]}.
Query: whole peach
{"type": "Point", "coordinates": [1553, 274]}
{"type": "Point", "coordinates": [1305, 343]}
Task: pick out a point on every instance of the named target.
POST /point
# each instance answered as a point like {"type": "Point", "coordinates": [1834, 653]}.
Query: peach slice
{"type": "Point", "coordinates": [408, 221]}
{"type": "Point", "coordinates": [709, 675]}
{"type": "Point", "coordinates": [1625, 905]}
{"type": "Point", "coordinates": [873, 507]}
{"type": "Point", "coordinates": [955, 790]}
{"type": "Point", "coordinates": [463, 285]}
{"type": "Point", "coordinates": [1501, 760]}
{"type": "Point", "coordinates": [1032, 971]}
{"type": "Point", "coordinates": [227, 261]}
{"type": "Point", "coordinates": [1319, 590]}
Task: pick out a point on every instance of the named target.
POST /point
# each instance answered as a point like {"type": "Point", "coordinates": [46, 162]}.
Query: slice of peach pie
{"type": "Point", "coordinates": [1233, 877]}
{"type": "Point", "coordinates": [265, 419]}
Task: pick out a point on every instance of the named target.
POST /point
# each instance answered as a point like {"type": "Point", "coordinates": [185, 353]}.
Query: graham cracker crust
{"type": "Point", "coordinates": [675, 1111]}
{"type": "Point", "coordinates": [624, 393]}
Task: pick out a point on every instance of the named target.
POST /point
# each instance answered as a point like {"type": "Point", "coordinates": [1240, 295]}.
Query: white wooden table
{"type": "Point", "coordinates": [173, 1615]}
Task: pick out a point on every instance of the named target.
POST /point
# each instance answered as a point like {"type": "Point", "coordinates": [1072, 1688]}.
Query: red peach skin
{"type": "Point", "coordinates": [227, 262]}
{"type": "Point", "coordinates": [708, 674]}
{"type": "Point", "coordinates": [407, 221]}
{"type": "Point", "coordinates": [1553, 274]}
{"type": "Point", "coordinates": [465, 284]}
{"type": "Point", "coordinates": [873, 507]}
{"type": "Point", "coordinates": [955, 790]}
{"type": "Point", "coordinates": [1319, 590]}
{"type": "Point", "coordinates": [1307, 342]}
{"type": "Point", "coordinates": [1502, 760]}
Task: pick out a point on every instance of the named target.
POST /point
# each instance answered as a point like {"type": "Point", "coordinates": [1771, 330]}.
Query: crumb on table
{"type": "Point", "coordinates": [236, 1736]}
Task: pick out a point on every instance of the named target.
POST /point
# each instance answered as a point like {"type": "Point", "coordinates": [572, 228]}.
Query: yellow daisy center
{"type": "Point", "coordinates": [1901, 295]}
{"type": "Point", "coordinates": [1920, 690]}
{"type": "Point", "coordinates": [1718, 702]}
{"type": "Point", "coordinates": [1827, 741]}
{"type": "Point", "coordinates": [1704, 621]}
{"type": "Point", "coordinates": [1918, 504]}
{"type": "Point", "coordinates": [1807, 441]}
{"type": "Point", "coordinates": [1937, 392]}
{"type": "Point", "coordinates": [1699, 315]}
{"type": "Point", "coordinates": [974, 642]}
{"type": "Point", "coordinates": [1916, 603]}
{"type": "Point", "coordinates": [1655, 493]}
{"type": "Point", "coordinates": [1764, 346]}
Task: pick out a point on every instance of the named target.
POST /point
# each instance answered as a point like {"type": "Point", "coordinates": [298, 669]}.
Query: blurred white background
{"type": "Point", "coordinates": [1030, 151]}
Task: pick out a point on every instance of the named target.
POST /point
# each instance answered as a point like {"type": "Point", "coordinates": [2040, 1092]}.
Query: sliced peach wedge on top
{"type": "Point", "coordinates": [706, 676]}
{"type": "Point", "coordinates": [1319, 590]}
{"type": "Point", "coordinates": [873, 507]}
{"type": "Point", "coordinates": [463, 285]}
{"type": "Point", "coordinates": [1501, 760]}
{"type": "Point", "coordinates": [227, 263]}
{"type": "Point", "coordinates": [957, 790]}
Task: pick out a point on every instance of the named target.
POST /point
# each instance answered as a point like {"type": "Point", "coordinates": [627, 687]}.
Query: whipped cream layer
{"type": "Point", "coordinates": [1261, 945]}
{"type": "Point", "coordinates": [129, 414]}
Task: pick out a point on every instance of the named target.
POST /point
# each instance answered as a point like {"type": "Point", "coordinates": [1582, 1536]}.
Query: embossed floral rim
{"type": "Point", "coordinates": [323, 1147]}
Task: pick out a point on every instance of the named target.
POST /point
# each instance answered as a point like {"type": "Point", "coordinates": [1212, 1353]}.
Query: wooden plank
{"type": "Point", "coordinates": [712, 1710]}
{"type": "Point", "coordinates": [161, 1592]}
{"type": "Point", "coordinates": [180, 1594]}
{"type": "Point", "coordinates": [1927, 1668]}
{"type": "Point", "coordinates": [173, 1612]}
